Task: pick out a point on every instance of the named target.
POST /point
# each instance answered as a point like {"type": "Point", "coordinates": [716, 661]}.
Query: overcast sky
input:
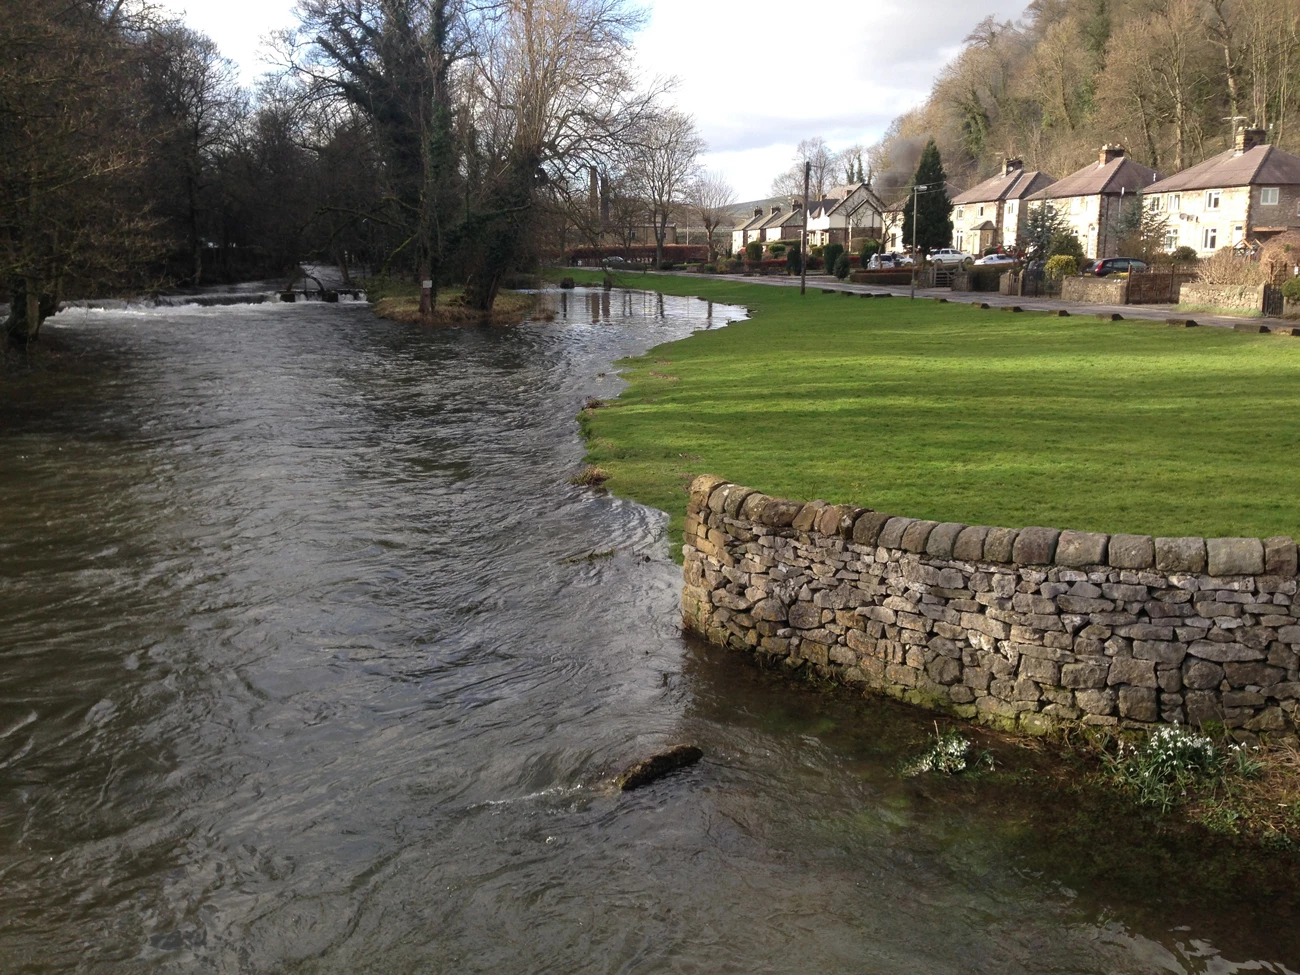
{"type": "Point", "coordinates": [733, 61]}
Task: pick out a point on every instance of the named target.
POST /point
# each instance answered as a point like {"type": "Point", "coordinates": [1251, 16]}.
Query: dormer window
{"type": "Point", "coordinates": [1268, 196]}
{"type": "Point", "coordinates": [961, 211]}
{"type": "Point", "coordinates": [1212, 198]}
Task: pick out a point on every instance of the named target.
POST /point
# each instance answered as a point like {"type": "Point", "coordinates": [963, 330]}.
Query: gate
{"type": "Point", "coordinates": [1272, 301]}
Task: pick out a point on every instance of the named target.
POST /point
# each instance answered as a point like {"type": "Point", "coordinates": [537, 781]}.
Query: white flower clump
{"type": "Point", "coordinates": [949, 754]}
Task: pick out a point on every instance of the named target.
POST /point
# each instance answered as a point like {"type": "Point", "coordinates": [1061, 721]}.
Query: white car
{"type": "Point", "coordinates": [996, 259]}
{"type": "Point", "coordinates": [949, 255]}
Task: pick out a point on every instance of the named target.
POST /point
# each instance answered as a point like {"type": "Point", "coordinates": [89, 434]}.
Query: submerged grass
{"type": "Point", "coordinates": [400, 302]}
{"type": "Point", "coordinates": [950, 413]}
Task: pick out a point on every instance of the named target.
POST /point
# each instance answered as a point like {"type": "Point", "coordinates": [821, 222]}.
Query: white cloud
{"type": "Point", "coordinates": [238, 27]}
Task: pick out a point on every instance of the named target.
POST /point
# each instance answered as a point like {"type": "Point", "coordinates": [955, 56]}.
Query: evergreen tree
{"type": "Point", "coordinates": [933, 214]}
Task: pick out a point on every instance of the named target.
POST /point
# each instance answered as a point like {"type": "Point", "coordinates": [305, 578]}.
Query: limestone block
{"type": "Point", "coordinates": [1280, 556]}
{"type": "Point", "coordinates": [702, 487]}
{"type": "Point", "coordinates": [1289, 634]}
{"type": "Point", "coordinates": [1257, 674]}
{"type": "Point", "coordinates": [804, 616]}
{"type": "Point", "coordinates": [770, 609]}
{"type": "Point", "coordinates": [1138, 673]}
{"type": "Point", "coordinates": [1000, 544]}
{"type": "Point", "coordinates": [866, 530]}
{"type": "Point", "coordinates": [1224, 652]}
{"type": "Point", "coordinates": [891, 536]}
{"type": "Point", "coordinates": [944, 670]}
{"type": "Point", "coordinates": [780, 513]}
{"type": "Point", "coordinates": [1161, 651]}
{"type": "Point", "coordinates": [1180, 554]}
{"type": "Point", "coordinates": [917, 534]}
{"type": "Point", "coordinates": [808, 515]}
{"type": "Point", "coordinates": [838, 520]}
{"type": "Point", "coordinates": [943, 539]}
{"type": "Point", "coordinates": [1132, 551]}
{"type": "Point", "coordinates": [1270, 719]}
{"type": "Point", "coordinates": [1138, 704]}
{"type": "Point", "coordinates": [969, 544]}
{"type": "Point", "coordinates": [1081, 548]}
{"type": "Point", "coordinates": [1202, 707]}
{"type": "Point", "coordinates": [1234, 556]}
{"type": "Point", "coordinates": [752, 509]}
{"type": "Point", "coordinates": [1095, 701]}
{"type": "Point", "coordinates": [1035, 546]}
{"type": "Point", "coordinates": [736, 496]}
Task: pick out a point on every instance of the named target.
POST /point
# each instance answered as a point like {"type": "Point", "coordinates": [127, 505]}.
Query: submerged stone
{"type": "Point", "coordinates": [657, 766]}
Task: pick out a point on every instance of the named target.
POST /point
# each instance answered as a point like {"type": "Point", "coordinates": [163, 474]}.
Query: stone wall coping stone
{"type": "Point", "coordinates": [1191, 556]}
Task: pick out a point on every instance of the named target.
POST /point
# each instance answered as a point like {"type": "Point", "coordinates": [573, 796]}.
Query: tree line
{"type": "Point", "coordinates": [441, 139]}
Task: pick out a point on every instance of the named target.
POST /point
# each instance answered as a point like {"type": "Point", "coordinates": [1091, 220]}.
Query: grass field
{"type": "Point", "coordinates": [948, 412]}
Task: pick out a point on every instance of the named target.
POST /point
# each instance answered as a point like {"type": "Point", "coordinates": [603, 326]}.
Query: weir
{"type": "Point", "coordinates": [1026, 629]}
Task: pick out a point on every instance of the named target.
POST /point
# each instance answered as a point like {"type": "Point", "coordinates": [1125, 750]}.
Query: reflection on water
{"type": "Point", "coordinates": [303, 671]}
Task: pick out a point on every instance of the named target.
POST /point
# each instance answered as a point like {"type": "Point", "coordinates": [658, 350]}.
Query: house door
{"type": "Point", "coordinates": [1238, 234]}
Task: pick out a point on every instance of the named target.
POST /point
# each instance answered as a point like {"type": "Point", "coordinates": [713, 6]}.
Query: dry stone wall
{"type": "Point", "coordinates": [1027, 629]}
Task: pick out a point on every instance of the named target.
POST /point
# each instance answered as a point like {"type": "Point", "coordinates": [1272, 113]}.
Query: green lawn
{"type": "Point", "coordinates": [948, 412]}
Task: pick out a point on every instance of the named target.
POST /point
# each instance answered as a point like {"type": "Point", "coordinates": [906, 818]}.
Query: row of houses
{"type": "Point", "coordinates": [1243, 196]}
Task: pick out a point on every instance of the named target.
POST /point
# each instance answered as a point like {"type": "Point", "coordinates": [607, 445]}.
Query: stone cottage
{"type": "Point", "coordinates": [1092, 198]}
{"type": "Point", "coordinates": [992, 213]}
{"type": "Point", "coordinates": [1243, 196]}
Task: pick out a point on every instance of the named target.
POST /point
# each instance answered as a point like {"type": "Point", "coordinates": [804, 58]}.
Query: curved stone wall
{"type": "Point", "coordinates": [1027, 628]}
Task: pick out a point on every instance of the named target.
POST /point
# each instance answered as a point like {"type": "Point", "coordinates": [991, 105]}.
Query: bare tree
{"type": "Point", "coordinates": [666, 153]}
{"type": "Point", "coordinates": [824, 163]}
{"type": "Point", "coordinates": [711, 197]}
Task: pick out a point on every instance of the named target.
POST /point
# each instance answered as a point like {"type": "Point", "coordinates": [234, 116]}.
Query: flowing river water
{"type": "Point", "coordinates": [304, 668]}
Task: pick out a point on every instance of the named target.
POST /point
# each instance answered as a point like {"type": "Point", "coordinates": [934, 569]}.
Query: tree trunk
{"type": "Point", "coordinates": [26, 314]}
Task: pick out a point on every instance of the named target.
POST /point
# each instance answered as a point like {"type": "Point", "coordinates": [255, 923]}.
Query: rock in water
{"type": "Point", "coordinates": [657, 766]}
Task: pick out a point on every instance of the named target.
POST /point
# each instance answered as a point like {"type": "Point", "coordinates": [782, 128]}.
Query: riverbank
{"type": "Point", "coordinates": [951, 413]}
{"type": "Point", "coordinates": [400, 302]}
{"type": "Point", "coordinates": [944, 412]}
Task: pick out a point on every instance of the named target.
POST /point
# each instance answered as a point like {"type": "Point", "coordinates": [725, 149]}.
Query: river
{"type": "Point", "coordinates": [305, 668]}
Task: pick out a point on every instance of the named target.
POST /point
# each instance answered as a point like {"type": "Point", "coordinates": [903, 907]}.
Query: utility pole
{"type": "Point", "coordinates": [916, 195]}
{"type": "Point", "coordinates": [803, 239]}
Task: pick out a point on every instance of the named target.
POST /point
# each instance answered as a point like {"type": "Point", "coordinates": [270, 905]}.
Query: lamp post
{"type": "Point", "coordinates": [916, 194]}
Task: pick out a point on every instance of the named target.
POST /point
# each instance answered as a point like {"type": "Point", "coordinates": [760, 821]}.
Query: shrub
{"type": "Point", "coordinates": [832, 254]}
{"type": "Point", "coordinates": [1161, 770]}
{"type": "Point", "coordinates": [1065, 242]}
{"type": "Point", "coordinates": [869, 248]}
{"type": "Point", "coordinates": [949, 753]}
{"type": "Point", "coordinates": [754, 251]}
{"type": "Point", "coordinates": [990, 250]}
{"type": "Point", "coordinates": [1183, 255]}
{"type": "Point", "coordinates": [776, 248]}
{"type": "Point", "coordinates": [817, 251]}
{"type": "Point", "coordinates": [1227, 267]}
{"type": "Point", "coordinates": [1291, 290]}
{"type": "Point", "coordinates": [792, 265]}
{"type": "Point", "coordinates": [1062, 266]}
{"type": "Point", "coordinates": [842, 266]}
{"type": "Point", "coordinates": [709, 268]}
{"type": "Point", "coordinates": [666, 265]}
{"type": "Point", "coordinates": [815, 263]}
{"type": "Point", "coordinates": [735, 265]}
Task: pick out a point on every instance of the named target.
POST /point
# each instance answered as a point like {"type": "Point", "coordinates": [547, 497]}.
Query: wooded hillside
{"type": "Point", "coordinates": [1163, 78]}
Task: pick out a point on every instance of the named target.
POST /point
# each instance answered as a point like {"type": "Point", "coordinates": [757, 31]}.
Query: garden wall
{"type": "Point", "coordinates": [1095, 291]}
{"type": "Point", "coordinates": [1247, 298]}
{"type": "Point", "coordinates": [1027, 629]}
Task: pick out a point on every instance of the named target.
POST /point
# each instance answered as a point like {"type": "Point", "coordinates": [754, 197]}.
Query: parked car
{"type": "Point", "coordinates": [951, 256]}
{"type": "Point", "coordinates": [885, 261]}
{"type": "Point", "coordinates": [615, 262]}
{"type": "Point", "coordinates": [991, 259]}
{"type": "Point", "coordinates": [1116, 265]}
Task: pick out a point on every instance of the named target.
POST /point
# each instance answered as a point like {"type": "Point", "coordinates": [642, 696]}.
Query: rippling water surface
{"type": "Point", "coordinates": [302, 670]}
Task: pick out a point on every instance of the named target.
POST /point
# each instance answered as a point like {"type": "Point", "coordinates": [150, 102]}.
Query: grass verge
{"type": "Point", "coordinates": [952, 413]}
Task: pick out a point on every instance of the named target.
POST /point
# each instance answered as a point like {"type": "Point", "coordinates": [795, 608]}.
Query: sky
{"type": "Point", "coordinates": [733, 60]}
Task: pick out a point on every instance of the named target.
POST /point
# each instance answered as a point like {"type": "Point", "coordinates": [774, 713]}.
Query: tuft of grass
{"type": "Point", "coordinates": [590, 476]}
{"type": "Point", "coordinates": [1218, 310]}
{"type": "Point", "coordinates": [944, 412]}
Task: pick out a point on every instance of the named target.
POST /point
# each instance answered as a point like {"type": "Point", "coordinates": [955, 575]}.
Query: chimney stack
{"type": "Point", "coordinates": [1011, 166]}
{"type": "Point", "coordinates": [758, 211]}
{"type": "Point", "coordinates": [1248, 139]}
{"type": "Point", "coordinates": [776, 208]}
{"type": "Point", "coordinates": [1109, 153]}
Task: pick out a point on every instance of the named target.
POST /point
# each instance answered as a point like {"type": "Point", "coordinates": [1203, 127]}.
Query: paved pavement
{"type": "Point", "coordinates": [1158, 313]}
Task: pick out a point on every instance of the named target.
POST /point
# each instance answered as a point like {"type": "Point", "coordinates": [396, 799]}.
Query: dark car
{"type": "Point", "coordinates": [1117, 265]}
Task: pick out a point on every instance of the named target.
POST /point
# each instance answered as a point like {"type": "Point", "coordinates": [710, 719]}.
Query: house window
{"type": "Point", "coordinates": [1268, 196]}
{"type": "Point", "coordinates": [1210, 239]}
{"type": "Point", "coordinates": [981, 211]}
{"type": "Point", "coordinates": [960, 212]}
{"type": "Point", "coordinates": [1011, 208]}
{"type": "Point", "coordinates": [1171, 240]}
{"type": "Point", "coordinates": [1212, 199]}
{"type": "Point", "coordinates": [1175, 202]}
{"type": "Point", "coordinates": [1157, 203]}
{"type": "Point", "coordinates": [960, 239]}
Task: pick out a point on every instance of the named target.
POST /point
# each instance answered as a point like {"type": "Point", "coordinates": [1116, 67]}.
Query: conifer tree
{"type": "Point", "coordinates": [933, 208]}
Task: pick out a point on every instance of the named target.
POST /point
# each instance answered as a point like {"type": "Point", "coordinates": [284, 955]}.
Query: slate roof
{"type": "Point", "coordinates": [1262, 165]}
{"type": "Point", "coordinates": [1014, 185]}
{"type": "Point", "coordinates": [1121, 174]}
